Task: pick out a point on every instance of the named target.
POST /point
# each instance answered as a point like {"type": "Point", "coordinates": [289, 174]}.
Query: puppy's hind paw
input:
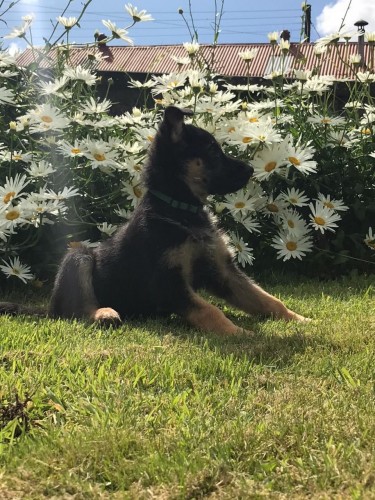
{"type": "Point", "coordinates": [106, 316]}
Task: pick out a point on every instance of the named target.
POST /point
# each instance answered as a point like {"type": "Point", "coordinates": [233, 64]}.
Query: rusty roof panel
{"type": "Point", "coordinates": [157, 59]}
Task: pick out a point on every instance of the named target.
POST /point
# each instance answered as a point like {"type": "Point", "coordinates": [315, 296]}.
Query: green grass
{"type": "Point", "coordinates": [155, 410]}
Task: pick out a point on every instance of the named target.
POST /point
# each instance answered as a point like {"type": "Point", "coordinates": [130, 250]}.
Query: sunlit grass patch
{"type": "Point", "coordinates": [155, 408]}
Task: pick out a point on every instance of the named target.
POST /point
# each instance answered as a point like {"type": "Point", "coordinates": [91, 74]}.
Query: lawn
{"type": "Point", "coordinates": [156, 410]}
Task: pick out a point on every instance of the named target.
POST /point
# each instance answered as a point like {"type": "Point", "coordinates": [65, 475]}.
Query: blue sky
{"type": "Point", "coordinates": [243, 21]}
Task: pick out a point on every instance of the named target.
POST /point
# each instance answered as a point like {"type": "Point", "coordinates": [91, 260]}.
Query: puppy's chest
{"type": "Point", "coordinates": [196, 253]}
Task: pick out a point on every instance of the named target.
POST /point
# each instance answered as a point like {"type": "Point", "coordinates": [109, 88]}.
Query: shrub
{"type": "Point", "coordinates": [72, 172]}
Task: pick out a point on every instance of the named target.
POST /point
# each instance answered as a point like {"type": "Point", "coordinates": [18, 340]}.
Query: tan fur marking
{"type": "Point", "coordinates": [183, 257]}
{"type": "Point", "coordinates": [106, 315]}
{"type": "Point", "coordinates": [209, 318]}
{"type": "Point", "coordinates": [246, 295]}
{"type": "Point", "coordinates": [194, 178]}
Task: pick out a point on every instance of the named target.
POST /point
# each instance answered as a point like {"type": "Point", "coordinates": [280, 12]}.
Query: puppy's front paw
{"type": "Point", "coordinates": [292, 316]}
{"type": "Point", "coordinates": [106, 316]}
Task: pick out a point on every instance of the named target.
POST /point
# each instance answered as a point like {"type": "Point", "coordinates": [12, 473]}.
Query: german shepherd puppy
{"type": "Point", "coordinates": [170, 248]}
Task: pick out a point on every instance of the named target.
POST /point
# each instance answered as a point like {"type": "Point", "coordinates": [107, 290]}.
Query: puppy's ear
{"type": "Point", "coordinates": [174, 121]}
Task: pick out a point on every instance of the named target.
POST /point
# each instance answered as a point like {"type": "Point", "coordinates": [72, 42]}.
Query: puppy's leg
{"type": "Point", "coordinates": [73, 294]}
{"type": "Point", "coordinates": [209, 318]}
{"type": "Point", "coordinates": [231, 284]}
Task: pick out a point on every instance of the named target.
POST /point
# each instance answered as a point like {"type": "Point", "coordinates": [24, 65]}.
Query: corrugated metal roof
{"type": "Point", "coordinates": [157, 59]}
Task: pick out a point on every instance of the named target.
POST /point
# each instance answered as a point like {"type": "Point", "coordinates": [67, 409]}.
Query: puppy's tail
{"type": "Point", "coordinates": [12, 309]}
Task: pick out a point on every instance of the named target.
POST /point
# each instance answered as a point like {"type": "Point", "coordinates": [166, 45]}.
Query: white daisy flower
{"type": "Point", "coordinates": [133, 192]}
{"type": "Point", "coordinates": [295, 197]}
{"type": "Point", "coordinates": [300, 157]}
{"type": "Point", "coordinates": [67, 22]}
{"type": "Point", "coordinates": [248, 222]}
{"type": "Point", "coordinates": [40, 169]}
{"type": "Point", "coordinates": [248, 55]}
{"type": "Point", "coordinates": [365, 77]}
{"type": "Point", "coordinates": [123, 213]}
{"type": "Point", "coordinates": [46, 117]}
{"type": "Point", "coordinates": [53, 87]}
{"type": "Point", "coordinates": [6, 96]}
{"type": "Point", "coordinates": [275, 206]}
{"type": "Point", "coordinates": [5, 233]}
{"type": "Point", "coordinates": [267, 161]}
{"type": "Point", "coordinates": [323, 218]}
{"type": "Point", "coordinates": [66, 193]}
{"type": "Point", "coordinates": [14, 216]}
{"type": "Point", "coordinates": [166, 83]}
{"type": "Point", "coordinates": [12, 188]}
{"type": "Point", "coordinates": [138, 15]}
{"type": "Point", "coordinates": [17, 156]}
{"type": "Point", "coordinates": [141, 85]}
{"type": "Point", "coordinates": [92, 106]}
{"type": "Point", "coordinates": [71, 150]}
{"type": "Point", "coordinates": [243, 252]}
{"type": "Point", "coordinates": [106, 228]}
{"type": "Point", "coordinates": [15, 268]}
{"type": "Point", "coordinates": [240, 202]}
{"type": "Point", "coordinates": [293, 223]}
{"type": "Point", "coordinates": [118, 33]}
{"type": "Point", "coordinates": [101, 154]}
{"type": "Point", "coordinates": [326, 120]}
{"type": "Point", "coordinates": [7, 59]}
{"type": "Point", "coordinates": [370, 239]}
{"type": "Point", "coordinates": [273, 37]}
{"type": "Point", "coordinates": [20, 32]}
{"type": "Point", "coordinates": [191, 48]}
{"type": "Point", "coordinates": [290, 246]}
{"type": "Point", "coordinates": [336, 205]}
{"type": "Point", "coordinates": [79, 73]}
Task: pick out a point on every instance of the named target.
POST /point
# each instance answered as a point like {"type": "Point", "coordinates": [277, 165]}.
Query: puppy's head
{"type": "Point", "coordinates": [191, 155]}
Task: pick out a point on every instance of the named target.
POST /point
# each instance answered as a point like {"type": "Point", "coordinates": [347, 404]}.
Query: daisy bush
{"type": "Point", "coordinates": [71, 170]}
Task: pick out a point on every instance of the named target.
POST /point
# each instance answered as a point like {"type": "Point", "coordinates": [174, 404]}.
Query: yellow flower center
{"type": "Point", "coordinates": [17, 157]}
{"type": "Point", "coordinates": [291, 223]}
{"type": "Point", "coordinates": [46, 119]}
{"type": "Point", "coordinates": [325, 121]}
{"type": "Point", "coordinates": [231, 129]}
{"type": "Point", "coordinates": [293, 201]}
{"type": "Point", "coordinates": [137, 191]}
{"type": "Point", "coordinates": [99, 157]}
{"type": "Point", "coordinates": [328, 204]}
{"type": "Point", "coordinates": [262, 138]}
{"type": "Point", "coordinates": [272, 207]}
{"type": "Point", "coordinates": [9, 196]}
{"type": "Point", "coordinates": [75, 151]}
{"type": "Point", "coordinates": [253, 119]}
{"type": "Point", "coordinates": [246, 139]}
{"type": "Point", "coordinates": [291, 246]}
{"type": "Point", "coordinates": [150, 138]}
{"type": "Point", "coordinates": [271, 165]}
{"type": "Point", "coordinates": [295, 161]}
{"type": "Point", "coordinates": [320, 221]}
{"type": "Point", "coordinates": [366, 131]}
{"type": "Point", "coordinates": [239, 204]}
{"type": "Point", "coordinates": [12, 215]}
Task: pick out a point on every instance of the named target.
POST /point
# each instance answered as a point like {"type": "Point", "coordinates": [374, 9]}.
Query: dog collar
{"type": "Point", "coordinates": [175, 203]}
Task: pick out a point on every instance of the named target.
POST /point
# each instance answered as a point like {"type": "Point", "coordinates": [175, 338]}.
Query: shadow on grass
{"type": "Point", "coordinates": [266, 346]}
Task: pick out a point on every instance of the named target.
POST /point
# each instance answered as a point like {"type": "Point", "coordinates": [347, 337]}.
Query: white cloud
{"type": "Point", "coordinates": [14, 49]}
{"type": "Point", "coordinates": [329, 20]}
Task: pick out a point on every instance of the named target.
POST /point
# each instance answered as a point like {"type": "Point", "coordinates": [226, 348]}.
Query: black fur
{"type": "Point", "coordinates": [170, 248]}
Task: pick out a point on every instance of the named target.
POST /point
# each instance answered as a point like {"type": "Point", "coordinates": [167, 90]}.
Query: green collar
{"type": "Point", "coordinates": [174, 203]}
